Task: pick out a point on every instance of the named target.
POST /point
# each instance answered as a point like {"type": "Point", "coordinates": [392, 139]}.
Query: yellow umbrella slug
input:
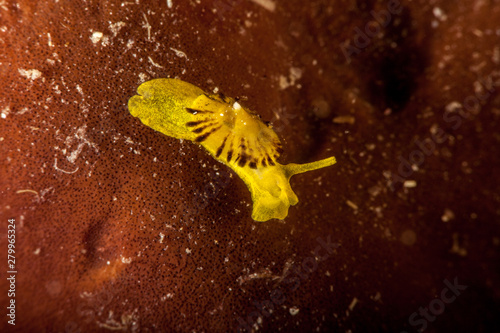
{"type": "Point", "coordinates": [231, 134]}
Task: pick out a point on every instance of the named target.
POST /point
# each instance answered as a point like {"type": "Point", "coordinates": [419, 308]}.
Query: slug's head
{"type": "Point", "coordinates": [270, 187]}
{"type": "Point", "coordinates": [272, 194]}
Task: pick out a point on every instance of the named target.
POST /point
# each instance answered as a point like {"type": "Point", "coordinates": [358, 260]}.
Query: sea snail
{"type": "Point", "coordinates": [231, 134]}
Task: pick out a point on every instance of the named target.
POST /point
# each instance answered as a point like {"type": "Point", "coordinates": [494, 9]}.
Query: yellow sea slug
{"type": "Point", "coordinates": [231, 134]}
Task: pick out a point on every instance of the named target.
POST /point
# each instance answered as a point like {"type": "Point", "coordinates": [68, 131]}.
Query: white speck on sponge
{"type": "Point", "coordinates": [267, 4]}
{"type": "Point", "coordinates": [179, 53]}
{"type": "Point", "coordinates": [353, 304]}
{"type": "Point", "coordinates": [31, 74]}
{"type": "Point", "coordinates": [96, 37]}
{"type": "Point", "coordinates": [439, 14]}
{"type": "Point", "coordinates": [115, 27]}
{"type": "Point", "coordinates": [236, 106]}
{"type": "Point", "coordinates": [5, 112]}
{"type": "Point", "coordinates": [410, 184]}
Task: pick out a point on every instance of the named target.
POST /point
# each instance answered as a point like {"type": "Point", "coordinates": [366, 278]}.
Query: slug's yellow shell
{"type": "Point", "coordinates": [230, 133]}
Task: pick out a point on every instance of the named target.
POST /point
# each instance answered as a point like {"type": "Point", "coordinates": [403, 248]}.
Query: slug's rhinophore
{"type": "Point", "coordinates": [231, 134]}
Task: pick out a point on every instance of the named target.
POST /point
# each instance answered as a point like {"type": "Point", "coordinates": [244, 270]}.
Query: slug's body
{"type": "Point", "coordinates": [231, 134]}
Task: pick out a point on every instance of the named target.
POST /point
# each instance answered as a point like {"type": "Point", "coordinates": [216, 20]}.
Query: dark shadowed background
{"type": "Point", "coordinates": [120, 228]}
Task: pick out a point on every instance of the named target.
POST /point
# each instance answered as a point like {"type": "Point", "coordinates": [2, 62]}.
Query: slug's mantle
{"type": "Point", "coordinates": [231, 134]}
